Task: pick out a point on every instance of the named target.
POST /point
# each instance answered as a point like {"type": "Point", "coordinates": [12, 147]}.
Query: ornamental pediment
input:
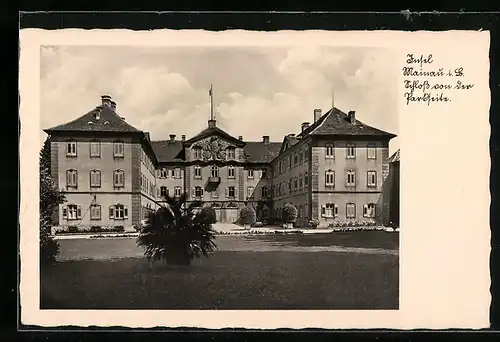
{"type": "Point", "coordinates": [213, 148]}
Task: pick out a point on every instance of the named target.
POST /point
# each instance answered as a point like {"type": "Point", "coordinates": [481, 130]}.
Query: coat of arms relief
{"type": "Point", "coordinates": [214, 149]}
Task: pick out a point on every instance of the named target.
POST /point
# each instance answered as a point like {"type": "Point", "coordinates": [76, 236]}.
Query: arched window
{"type": "Point", "coordinates": [118, 178]}
{"type": "Point", "coordinates": [197, 152]}
{"type": "Point", "coordinates": [330, 178]}
{"type": "Point", "coordinates": [215, 171]}
{"type": "Point", "coordinates": [231, 153]}
{"type": "Point", "coordinates": [197, 171]}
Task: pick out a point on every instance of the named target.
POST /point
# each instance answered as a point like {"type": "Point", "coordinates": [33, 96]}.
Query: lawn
{"type": "Point", "coordinates": [248, 272]}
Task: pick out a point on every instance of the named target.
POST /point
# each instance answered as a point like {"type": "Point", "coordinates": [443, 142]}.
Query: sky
{"type": "Point", "coordinates": [257, 90]}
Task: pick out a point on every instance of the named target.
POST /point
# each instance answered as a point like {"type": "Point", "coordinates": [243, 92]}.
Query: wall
{"type": "Point", "coordinates": [361, 193]}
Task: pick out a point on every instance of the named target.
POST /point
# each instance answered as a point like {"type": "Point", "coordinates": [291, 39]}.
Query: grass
{"type": "Point", "coordinates": [228, 280]}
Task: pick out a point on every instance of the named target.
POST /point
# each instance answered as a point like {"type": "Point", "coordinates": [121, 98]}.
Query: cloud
{"type": "Point", "coordinates": [257, 91]}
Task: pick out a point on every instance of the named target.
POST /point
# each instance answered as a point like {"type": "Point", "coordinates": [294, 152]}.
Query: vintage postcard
{"type": "Point", "coordinates": [238, 179]}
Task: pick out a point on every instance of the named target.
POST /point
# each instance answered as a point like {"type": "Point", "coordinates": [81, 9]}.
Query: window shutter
{"type": "Point", "coordinates": [111, 211]}
{"type": "Point", "coordinates": [227, 192]}
{"type": "Point", "coordinates": [79, 212]}
{"type": "Point", "coordinates": [64, 212]}
{"type": "Point", "coordinates": [158, 192]}
{"type": "Point", "coordinates": [125, 212]}
{"type": "Point", "coordinates": [323, 210]}
{"type": "Point", "coordinates": [336, 210]}
{"type": "Point", "coordinates": [194, 192]}
{"type": "Point", "coordinates": [365, 210]}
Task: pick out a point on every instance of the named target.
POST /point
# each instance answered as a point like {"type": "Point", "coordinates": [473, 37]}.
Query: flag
{"type": "Point", "coordinates": [210, 91]}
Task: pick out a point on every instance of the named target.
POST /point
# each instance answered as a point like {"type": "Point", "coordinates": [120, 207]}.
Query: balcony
{"type": "Point", "coordinates": [214, 180]}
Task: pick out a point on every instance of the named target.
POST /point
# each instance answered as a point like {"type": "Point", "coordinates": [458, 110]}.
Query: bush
{"type": "Point", "coordinates": [247, 215]}
{"type": "Point", "coordinates": [49, 248]}
{"type": "Point", "coordinates": [313, 223]}
{"type": "Point", "coordinates": [209, 212]}
{"type": "Point", "coordinates": [289, 213]}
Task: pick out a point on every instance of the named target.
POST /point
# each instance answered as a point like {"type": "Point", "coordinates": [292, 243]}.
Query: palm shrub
{"type": "Point", "coordinates": [210, 213]}
{"type": "Point", "coordinates": [289, 213]}
{"type": "Point", "coordinates": [247, 216]}
{"type": "Point", "coordinates": [177, 232]}
{"type": "Point", "coordinates": [50, 198]}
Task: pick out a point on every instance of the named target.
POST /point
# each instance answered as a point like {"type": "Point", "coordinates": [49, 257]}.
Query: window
{"type": "Point", "coordinates": [230, 172]}
{"type": "Point", "coordinates": [330, 151]}
{"type": "Point", "coordinates": [250, 173]}
{"type": "Point", "coordinates": [350, 210]}
{"type": "Point", "coordinates": [95, 212]}
{"type": "Point", "coordinates": [300, 156]}
{"type": "Point", "coordinates": [371, 152]}
{"type": "Point", "coordinates": [263, 173]}
{"type": "Point", "coordinates": [350, 151]}
{"type": "Point", "coordinates": [172, 173]}
{"type": "Point", "coordinates": [163, 191]}
{"type": "Point", "coordinates": [283, 168]}
{"type": "Point", "coordinates": [300, 182]}
{"type": "Point", "coordinates": [71, 148]}
{"type": "Point", "coordinates": [306, 180]}
{"type": "Point", "coordinates": [177, 191]}
{"type": "Point", "coordinates": [301, 211]}
{"type": "Point", "coordinates": [290, 162]}
{"type": "Point", "coordinates": [250, 191]}
{"type": "Point", "coordinates": [329, 210]}
{"type": "Point", "coordinates": [263, 192]}
{"type": "Point", "coordinates": [231, 153]}
{"type": "Point", "coordinates": [198, 192]}
{"type": "Point", "coordinates": [197, 171]}
{"type": "Point", "coordinates": [369, 210]}
{"type": "Point", "coordinates": [215, 193]}
{"type": "Point", "coordinates": [95, 179]}
{"type": "Point", "coordinates": [306, 152]}
{"type": "Point", "coordinates": [118, 149]}
{"type": "Point", "coordinates": [350, 179]}
{"type": "Point", "coordinates": [72, 179]}
{"type": "Point", "coordinates": [177, 173]}
{"type": "Point", "coordinates": [372, 178]}
{"type": "Point", "coordinates": [230, 192]}
{"type": "Point", "coordinates": [118, 212]}
{"type": "Point", "coordinates": [72, 212]}
{"type": "Point", "coordinates": [119, 179]}
{"type": "Point", "coordinates": [330, 178]}
{"type": "Point", "coordinates": [197, 153]}
{"type": "Point", "coordinates": [295, 159]}
{"type": "Point", "coordinates": [215, 171]}
{"type": "Point", "coordinates": [295, 184]}
{"type": "Point", "coordinates": [95, 149]}
{"type": "Point", "coordinates": [163, 173]}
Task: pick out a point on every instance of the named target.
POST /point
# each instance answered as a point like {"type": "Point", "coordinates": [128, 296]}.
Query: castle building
{"type": "Point", "coordinates": [113, 174]}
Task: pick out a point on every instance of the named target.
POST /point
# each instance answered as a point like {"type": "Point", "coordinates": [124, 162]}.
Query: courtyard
{"type": "Point", "coordinates": [341, 270]}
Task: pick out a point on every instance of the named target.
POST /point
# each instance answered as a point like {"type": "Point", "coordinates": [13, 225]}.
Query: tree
{"type": "Point", "coordinates": [289, 213]}
{"type": "Point", "coordinates": [50, 198]}
{"type": "Point", "coordinates": [247, 216]}
{"type": "Point", "coordinates": [177, 232]}
{"type": "Point", "coordinates": [210, 213]}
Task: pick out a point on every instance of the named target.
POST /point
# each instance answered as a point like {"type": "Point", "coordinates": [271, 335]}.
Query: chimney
{"type": "Point", "coordinates": [148, 138]}
{"type": "Point", "coordinates": [317, 114]}
{"type": "Point", "coordinates": [211, 123]}
{"type": "Point", "coordinates": [183, 137]}
{"type": "Point", "coordinates": [172, 137]}
{"type": "Point", "coordinates": [240, 138]}
{"type": "Point", "coordinates": [113, 105]}
{"type": "Point", "coordinates": [291, 134]}
{"type": "Point", "coordinates": [106, 100]}
{"type": "Point", "coordinates": [305, 125]}
{"type": "Point", "coordinates": [265, 139]}
{"type": "Point", "coordinates": [352, 116]}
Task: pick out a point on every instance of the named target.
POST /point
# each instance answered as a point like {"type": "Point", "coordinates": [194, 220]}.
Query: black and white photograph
{"type": "Point", "coordinates": [235, 176]}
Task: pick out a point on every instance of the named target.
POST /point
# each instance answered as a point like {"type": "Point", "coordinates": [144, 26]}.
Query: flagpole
{"type": "Point", "coordinates": [211, 102]}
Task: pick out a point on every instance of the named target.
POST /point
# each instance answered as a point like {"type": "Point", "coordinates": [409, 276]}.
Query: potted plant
{"type": "Point", "coordinates": [247, 216]}
{"type": "Point", "coordinates": [289, 214]}
{"type": "Point", "coordinates": [177, 232]}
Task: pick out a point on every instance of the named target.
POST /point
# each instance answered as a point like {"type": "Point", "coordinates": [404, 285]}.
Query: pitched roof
{"type": "Point", "coordinates": [210, 131]}
{"type": "Point", "coordinates": [106, 121]}
{"type": "Point", "coordinates": [260, 152]}
{"type": "Point", "coordinates": [168, 150]}
{"type": "Point", "coordinates": [336, 122]}
{"type": "Point", "coordinates": [395, 157]}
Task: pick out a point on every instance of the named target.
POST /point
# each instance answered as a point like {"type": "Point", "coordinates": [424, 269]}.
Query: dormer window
{"type": "Point", "coordinates": [231, 153]}
{"type": "Point", "coordinates": [197, 152]}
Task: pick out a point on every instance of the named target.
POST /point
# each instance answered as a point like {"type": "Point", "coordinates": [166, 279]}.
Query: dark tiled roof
{"type": "Point", "coordinates": [395, 157]}
{"type": "Point", "coordinates": [259, 152]}
{"type": "Point", "coordinates": [108, 121]}
{"type": "Point", "coordinates": [210, 131]}
{"type": "Point", "coordinates": [168, 150]}
{"type": "Point", "coordinates": [336, 122]}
